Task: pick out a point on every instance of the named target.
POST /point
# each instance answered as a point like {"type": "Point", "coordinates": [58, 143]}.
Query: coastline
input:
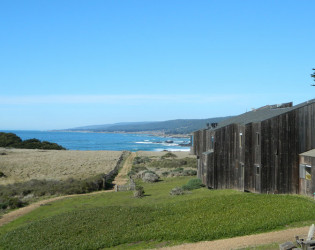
{"type": "Point", "coordinates": [117, 141]}
{"type": "Point", "coordinates": [149, 133]}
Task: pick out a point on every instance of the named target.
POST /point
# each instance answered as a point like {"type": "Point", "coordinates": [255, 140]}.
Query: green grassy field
{"type": "Point", "coordinates": [117, 220]}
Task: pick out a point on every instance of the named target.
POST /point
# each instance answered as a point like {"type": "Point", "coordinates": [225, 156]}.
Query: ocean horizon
{"type": "Point", "coordinates": [105, 141]}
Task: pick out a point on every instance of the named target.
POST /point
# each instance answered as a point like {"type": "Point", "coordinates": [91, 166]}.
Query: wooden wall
{"type": "Point", "coordinates": [267, 158]}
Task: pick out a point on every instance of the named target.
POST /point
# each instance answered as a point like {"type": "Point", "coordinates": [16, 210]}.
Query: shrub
{"type": "Point", "coordinates": [3, 205]}
{"type": "Point", "coordinates": [169, 155]}
{"type": "Point", "coordinates": [150, 177]}
{"type": "Point", "coordinates": [10, 202]}
{"type": "Point", "coordinates": [177, 191]}
{"type": "Point", "coordinates": [178, 170]}
{"type": "Point", "coordinates": [183, 162]}
{"type": "Point", "coordinates": [173, 163]}
{"type": "Point", "coordinates": [137, 169]}
{"type": "Point", "coordinates": [38, 188]}
{"type": "Point", "coordinates": [37, 144]}
{"type": "Point", "coordinates": [149, 171]}
{"type": "Point", "coordinates": [131, 173]}
{"type": "Point", "coordinates": [193, 184]}
{"type": "Point", "coordinates": [9, 139]}
{"type": "Point", "coordinates": [2, 174]}
{"type": "Point", "coordinates": [165, 173]}
{"type": "Point", "coordinates": [15, 202]}
{"type": "Point", "coordinates": [189, 172]}
{"type": "Point", "coordinates": [12, 140]}
{"type": "Point", "coordinates": [139, 192]}
{"type": "Point", "coordinates": [139, 160]}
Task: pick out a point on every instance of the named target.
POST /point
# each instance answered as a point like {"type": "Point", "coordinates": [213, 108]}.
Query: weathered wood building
{"type": "Point", "coordinates": [260, 151]}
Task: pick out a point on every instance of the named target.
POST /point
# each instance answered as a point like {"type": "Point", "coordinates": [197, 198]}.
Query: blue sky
{"type": "Point", "coordinates": [73, 63]}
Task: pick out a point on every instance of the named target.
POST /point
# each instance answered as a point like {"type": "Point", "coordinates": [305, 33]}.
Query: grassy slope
{"type": "Point", "coordinates": [116, 219]}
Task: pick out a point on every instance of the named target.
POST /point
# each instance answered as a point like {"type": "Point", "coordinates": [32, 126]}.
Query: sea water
{"type": "Point", "coordinates": [106, 141]}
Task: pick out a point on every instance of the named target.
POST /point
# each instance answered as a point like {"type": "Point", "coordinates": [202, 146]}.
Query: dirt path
{"type": "Point", "coordinates": [120, 179]}
{"type": "Point", "coordinates": [246, 241]}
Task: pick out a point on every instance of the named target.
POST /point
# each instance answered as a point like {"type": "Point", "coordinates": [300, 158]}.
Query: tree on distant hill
{"type": "Point", "coordinates": [313, 75]}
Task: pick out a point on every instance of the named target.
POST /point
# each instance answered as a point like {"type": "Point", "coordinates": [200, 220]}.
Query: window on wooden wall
{"type": "Point", "coordinates": [257, 169]}
{"type": "Point", "coordinates": [258, 138]}
{"type": "Point", "coordinates": [212, 142]}
{"type": "Point", "coordinates": [305, 172]}
{"type": "Point", "coordinates": [241, 139]}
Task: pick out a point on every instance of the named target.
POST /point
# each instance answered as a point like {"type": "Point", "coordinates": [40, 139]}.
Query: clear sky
{"type": "Point", "coordinates": [73, 63]}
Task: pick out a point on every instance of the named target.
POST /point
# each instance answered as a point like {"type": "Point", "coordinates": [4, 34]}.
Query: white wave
{"type": "Point", "coordinates": [173, 149]}
{"type": "Point", "coordinates": [144, 142]}
{"type": "Point", "coordinates": [181, 149]}
{"type": "Point", "coordinates": [169, 144]}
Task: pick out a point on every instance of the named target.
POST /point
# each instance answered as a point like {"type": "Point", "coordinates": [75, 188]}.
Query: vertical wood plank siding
{"type": "Point", "coordinates": [268, 152]}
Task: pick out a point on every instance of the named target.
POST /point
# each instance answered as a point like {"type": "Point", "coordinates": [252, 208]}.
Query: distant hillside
{"type": "Point", "coordinates": [180, 126]}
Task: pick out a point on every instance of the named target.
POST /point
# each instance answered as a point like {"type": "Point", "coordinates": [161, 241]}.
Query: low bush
{"type": "Point", "coordinates": [150, 176]}
{"type": "Point", "coordinates": [169, 155]}
{"type": "Point", "coordinates": [139, 192]}
{"type": "Point", "coordinates": [9, 140]}
{"type": "Point", "coordinates": [12, 140]}
{"type": "Point", "coordinates": [178, 170]}
{"type": "Point", "coordinates": [141, 159]}
{"type": "Point", "coordinates": [173, 163]}
{"type": "Point", "coordinates": [149, 171]}
{"type": "Point", "coordinates": [2, 174]}
{"type": "Point", "coordinates": [193, 184]}
{"type": "Point", "coordinates": [131, 173]}
{"type": "Point", "coordinates": [138, 169]}
{"type": "Point", "coordinates": [38, 188]}
{"type": "Point", "coordinates": [166, 173]}
{"type": "Point", "coordinates": [189, 172]}
{"type": "Point", "coordinates": [177, 191]}
{"type": "Point", "coordinates": [11, 202]}
{"type": "Point", "coordinates": [183, 162]}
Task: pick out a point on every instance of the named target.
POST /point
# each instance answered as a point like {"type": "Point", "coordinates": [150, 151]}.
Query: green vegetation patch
{"type": "Point", "coordinates": [193, 184]}
{"type": "Point", "coordinates": [13, 141]}
{"type": "Point", "coordinates": [19, 194]}
{"type": "Point", "coordinates": [174, 163]}
{"type": "Point", "coordinates": [114, 219]}
{"type": "Point", "coordinates": [169, 155]}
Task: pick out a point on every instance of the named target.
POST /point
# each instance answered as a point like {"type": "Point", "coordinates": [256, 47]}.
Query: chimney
{"type": "Point", "coordinates": [214, 125]}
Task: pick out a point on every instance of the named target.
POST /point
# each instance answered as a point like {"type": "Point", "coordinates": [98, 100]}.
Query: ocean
{"type": "Point", "coordinates": [105, 141]}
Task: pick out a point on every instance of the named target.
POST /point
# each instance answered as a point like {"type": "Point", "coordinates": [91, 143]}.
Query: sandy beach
{"type": "Point", "coordinates": [25, 164]}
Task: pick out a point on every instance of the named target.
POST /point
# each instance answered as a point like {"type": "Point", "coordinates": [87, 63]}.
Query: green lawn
{"type": "Point", "coordinates": [120, 221]}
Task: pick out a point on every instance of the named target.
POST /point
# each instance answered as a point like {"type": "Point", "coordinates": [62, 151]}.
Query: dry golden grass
{"type": "Point", "coordinates": [25, 164]}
